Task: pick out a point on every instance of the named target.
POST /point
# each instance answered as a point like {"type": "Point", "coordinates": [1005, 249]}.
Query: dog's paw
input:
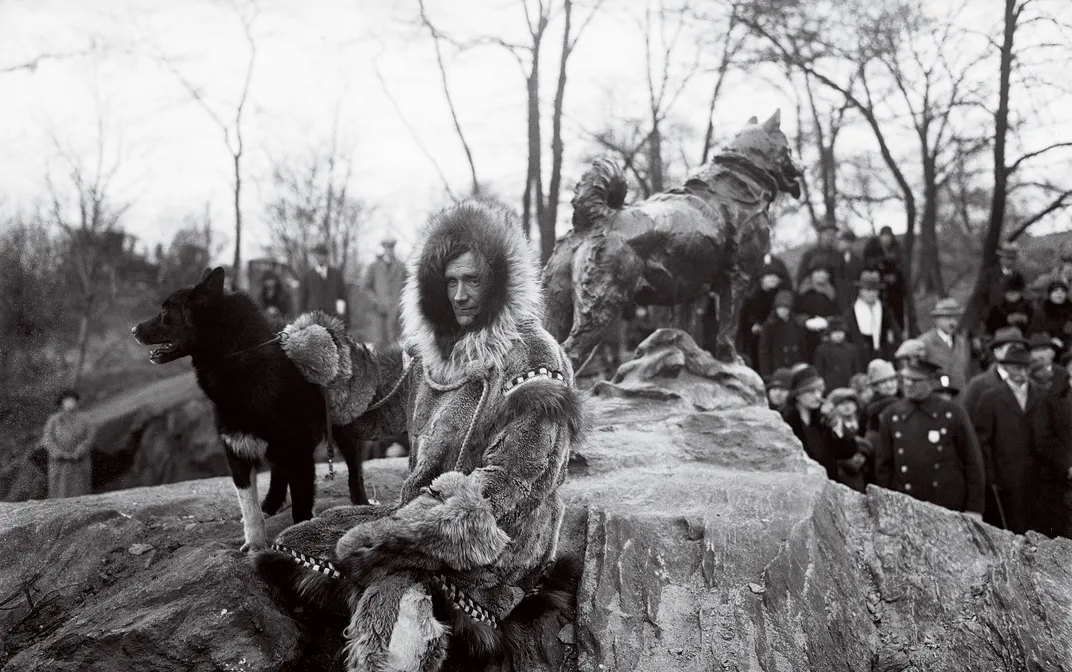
{"type": "Point", "coordinates": [254, 546]}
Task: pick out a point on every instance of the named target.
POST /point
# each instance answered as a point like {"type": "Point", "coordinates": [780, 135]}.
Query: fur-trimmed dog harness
{"type": "Point", "coordinates": [458, 598]}
{"type": "Point", "coordinates": [542, 372]}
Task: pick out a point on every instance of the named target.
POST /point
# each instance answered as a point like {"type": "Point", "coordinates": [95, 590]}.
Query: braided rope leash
{"type": "Point", "coordinates": [458, 598]}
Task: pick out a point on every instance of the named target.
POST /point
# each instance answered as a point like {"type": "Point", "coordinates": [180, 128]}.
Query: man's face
{"type": "Point", "coordinates": [946, 324]}
{"type": "Point", "coordinates": [1042, 356]}
{"type": "Point", "coordinates": [868, 296]}
{"type": "Point", "coordinates": [770, 282]}
{"type": "Point", "coordinates": [782, 312]}
{"type": "Point", "coordinates": [1013, 295]}
{"type": "Point", "coordinates": [827, 238]}
{"type": "Point", "coordinates": [1058, 295]}
{"type": "Point", "coordinates": [465, 290]}
{"type": "Point", "coordinates": [917, 386]}
{"type": "Point", "coordinates": [887, 388]}
{"type": "Point", "coordinates": [777, 395]}
{"type": "Point", "coordinates": [820, 277]}
{"type": "Point", "coordinates": [1017, 373]}
{"type": "Point", "coordinates": [837, 336]}
{"type": "Point", "coordinates": [320, 258]}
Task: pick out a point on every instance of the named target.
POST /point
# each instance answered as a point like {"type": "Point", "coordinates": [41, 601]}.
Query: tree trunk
{"type": "Point", "coordinates": [236, 280]}
{"type": "Point", "coordinates": [930, 263]}
{"type": "Point", "coordinates": [907, 311]}
{"type": "Point", "coordinates": [547, 223]}
{"type": "Point", "coordinates": [83, 341]}
{"type": "Point", "coordinates": [977, 304]}
{"type": "Point", "coordinates": [655, 157]}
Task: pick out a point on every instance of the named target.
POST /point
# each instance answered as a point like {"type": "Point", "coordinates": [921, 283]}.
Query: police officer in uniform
{"type": "Point", "coordinates": [927, 447]}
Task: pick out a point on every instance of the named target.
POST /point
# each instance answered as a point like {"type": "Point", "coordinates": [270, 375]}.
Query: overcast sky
{"type": "Point", "coordinates": [315, 59]}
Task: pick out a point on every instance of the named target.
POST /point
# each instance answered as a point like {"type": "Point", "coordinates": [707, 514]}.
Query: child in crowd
{"type": "Point", "coordinates": [836, 358]}
{"type": "Point", "coordinates": [843, 407]}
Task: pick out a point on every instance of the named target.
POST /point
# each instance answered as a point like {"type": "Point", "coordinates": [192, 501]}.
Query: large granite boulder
{"type": "Point", "coordinates": [710, 542]}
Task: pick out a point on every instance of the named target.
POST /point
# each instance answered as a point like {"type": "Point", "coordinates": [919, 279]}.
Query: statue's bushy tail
{"type": "Point", "coordinates": [599, 193]}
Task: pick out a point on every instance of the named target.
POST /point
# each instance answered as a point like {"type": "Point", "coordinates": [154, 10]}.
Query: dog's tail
{"type": "Point", "coordinates": [599, 193]}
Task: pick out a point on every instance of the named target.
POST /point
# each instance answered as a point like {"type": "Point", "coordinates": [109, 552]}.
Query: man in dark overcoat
{"type": "Point", "coordinates": [1003, 340]}
{"type": "Point", "coordinates": [1051, 458]}
{"type": "Point", "coordinates": [323, 287]}
{"type": "Point", "coordinates": [1004, 422]}
{"type": "Point", "coordinates": [926, 446]}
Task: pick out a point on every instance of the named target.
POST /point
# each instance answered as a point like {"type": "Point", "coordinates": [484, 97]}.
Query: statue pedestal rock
{"type": "Point", "coordinates": [710, 542]}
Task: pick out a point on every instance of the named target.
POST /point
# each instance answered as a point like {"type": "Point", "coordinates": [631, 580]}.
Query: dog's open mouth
{"type": "Point", "coordinates": [166, 348]}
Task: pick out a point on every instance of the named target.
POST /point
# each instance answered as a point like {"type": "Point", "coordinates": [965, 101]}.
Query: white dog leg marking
{"type": "Point", "coordinates": [252, 517]}
{"type": "Point", "coordinates": [246, 445]}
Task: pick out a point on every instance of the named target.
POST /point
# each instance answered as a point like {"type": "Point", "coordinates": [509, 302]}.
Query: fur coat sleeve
{"type": "Point", "coordinates": [464, 521]}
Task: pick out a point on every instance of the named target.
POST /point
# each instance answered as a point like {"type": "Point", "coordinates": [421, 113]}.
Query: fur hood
{"type": "Point", "coordinates": [512, 300]}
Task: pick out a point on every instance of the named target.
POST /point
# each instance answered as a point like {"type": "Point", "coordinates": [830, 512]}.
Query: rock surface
{"type": "Point", "coordinates": [710, 542]}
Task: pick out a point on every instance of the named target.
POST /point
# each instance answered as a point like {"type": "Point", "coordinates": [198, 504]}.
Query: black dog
{"type": "Point", "coordinates": [265, 409]}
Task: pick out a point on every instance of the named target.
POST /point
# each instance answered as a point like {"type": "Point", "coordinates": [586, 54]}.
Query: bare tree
{"type": "Point", "coordinates": [88, 215]}
{"type": "Point", "coordinates": [1012, 64]}
{"type": "Point", "coordinates": [311, 205]}
{"type": "Point", "coordinates": [230, 124]}
{"type": "Point", "coordinates": [536, 206]}
{"type": "Point", "coordinates": [639, 141]}
{"type": "Point", "coordinates": [726, 35]}
{"type": "Point", "coordinates": [898, 64]}
{"type": "Point", "coordinates": [437, 40]}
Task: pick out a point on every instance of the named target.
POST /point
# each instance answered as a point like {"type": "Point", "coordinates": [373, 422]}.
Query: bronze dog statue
{"type": "Point", "coordinates": [709, 236]}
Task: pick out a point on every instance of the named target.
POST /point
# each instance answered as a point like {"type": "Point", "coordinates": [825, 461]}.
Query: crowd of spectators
{"type": "Point", "coordinates": [975, 418]}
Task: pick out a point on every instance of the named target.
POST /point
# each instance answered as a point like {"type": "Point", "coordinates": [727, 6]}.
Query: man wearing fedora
{"type": "Point", "coordinates": [944, 346]}
{"type": "Point", "coordinates": [1004, 421]}
{"type": "Point", "coordinates": [926, 447]}
{"type": "Point", "coordinates": [870, 324]}
{"type": "Point", "coordinates": [997, 277]}
{"type": "Point", "coordinates": [1003, 339]}
{"type": "Point", "coordinates": [384, 282]}
{"type": "Point", "coordinates": [322, 286]}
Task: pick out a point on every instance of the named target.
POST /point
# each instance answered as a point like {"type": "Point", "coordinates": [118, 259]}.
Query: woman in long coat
{"type": "Point", "coordinates": [68, 438]}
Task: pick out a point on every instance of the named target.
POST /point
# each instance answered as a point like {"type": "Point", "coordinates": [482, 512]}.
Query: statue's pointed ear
{"type": "Point", "coordinates": [775, 121]}
{"type": "Point", "coordinates": [208, 271]}
{"type": "Point", "coordinates": [753, 120]}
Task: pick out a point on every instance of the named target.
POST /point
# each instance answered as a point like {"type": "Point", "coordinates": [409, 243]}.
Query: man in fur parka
{"type": "Point", "coordinates": [487, 396]}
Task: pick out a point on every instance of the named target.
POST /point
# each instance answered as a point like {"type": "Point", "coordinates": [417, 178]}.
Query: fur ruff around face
{"type": "Point", "coordinates": [512, 292]}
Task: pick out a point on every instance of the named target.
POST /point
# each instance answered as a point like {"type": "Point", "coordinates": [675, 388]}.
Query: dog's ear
{"type": "Point", "coordinates": [775, 121]}
{"type": "Point", "coordinates": [212, 281]}
{"type": "Point", "coordinates": [753, 120]}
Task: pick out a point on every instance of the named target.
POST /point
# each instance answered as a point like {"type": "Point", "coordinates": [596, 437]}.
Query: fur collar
{"type": "Point", "coordinates": [513, 298]}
